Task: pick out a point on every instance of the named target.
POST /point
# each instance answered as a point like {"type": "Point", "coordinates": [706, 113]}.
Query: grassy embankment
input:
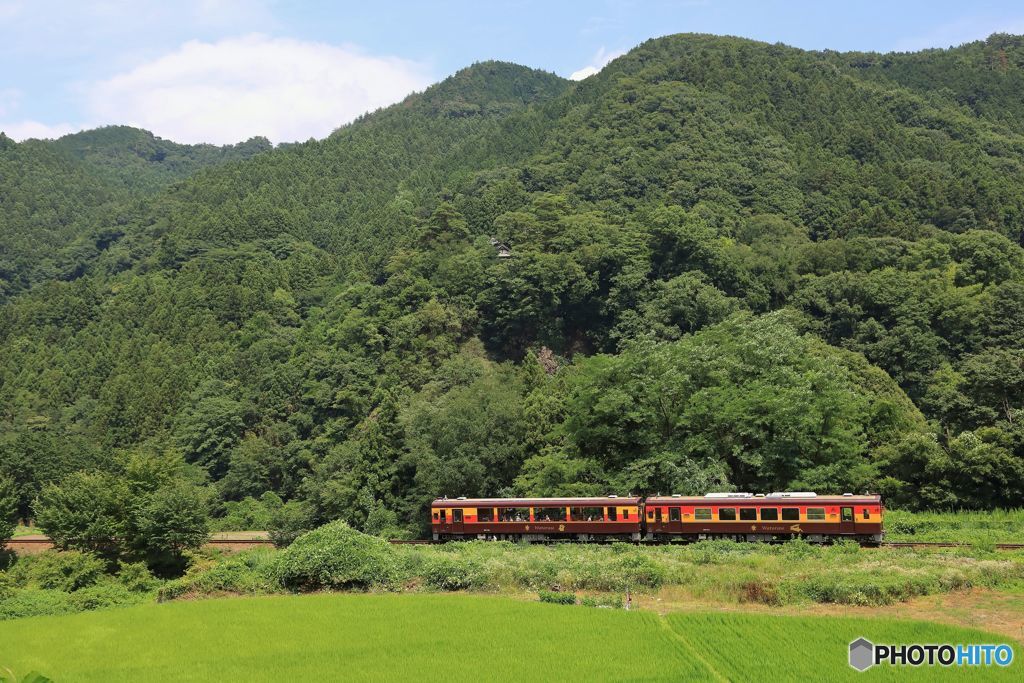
{"type": "Point", "coordinates": [709, 573]}
{"type": "Point", "coordinates": [453, 638]}
{"type": "Point", "coordinates": [720, 571]}
{"type": "Point", "coordinates": [978, 528]}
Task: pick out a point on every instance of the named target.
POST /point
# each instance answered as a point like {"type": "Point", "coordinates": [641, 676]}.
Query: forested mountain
{"type": "Point", "coordinates": [138, 160]}
{"type": "Point", "coordinates": [62, 202]}
{"type": "Point", "coordinates": [730, 264]}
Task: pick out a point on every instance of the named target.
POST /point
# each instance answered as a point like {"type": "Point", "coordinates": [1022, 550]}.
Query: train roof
{"type": "Point", "coordinates": [779, 498]}
{"type": "Point", "coordinates": [534, 502]}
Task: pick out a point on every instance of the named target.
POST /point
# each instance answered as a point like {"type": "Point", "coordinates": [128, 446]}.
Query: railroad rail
{"type": "Point", "coordinates": [31, 545]}
{"type": "Point", "coordinates": [885, 544]}
{"type": "Point", "coordinates": [938, 544]}
{"type": "Point", "coordinates": [38, 544]}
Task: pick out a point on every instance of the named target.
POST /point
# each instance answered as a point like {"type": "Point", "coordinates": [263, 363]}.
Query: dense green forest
{"type": "Point", "coordinates": [63, 202]}
{"type": "Point", "coordinates": [730, 265]}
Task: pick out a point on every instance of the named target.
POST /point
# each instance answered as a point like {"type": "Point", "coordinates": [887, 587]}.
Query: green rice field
{"type": "Point", "coordinates": [452, 638]}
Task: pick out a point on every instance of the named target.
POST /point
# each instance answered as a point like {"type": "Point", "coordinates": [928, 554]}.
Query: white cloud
{"type": "Point", "coordinates": [233, 89]}
{"type": "Point", "coordinates": [23, 130]}
{"type": "Point", "coordinates": [598, 62]}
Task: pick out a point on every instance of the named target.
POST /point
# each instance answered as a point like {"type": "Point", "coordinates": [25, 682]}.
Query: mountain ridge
{"type": "Point", "coordinates": [731, 264]}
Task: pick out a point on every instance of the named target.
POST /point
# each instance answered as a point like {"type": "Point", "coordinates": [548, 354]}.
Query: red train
{"type": "Point", "coordinates": [736, 516]}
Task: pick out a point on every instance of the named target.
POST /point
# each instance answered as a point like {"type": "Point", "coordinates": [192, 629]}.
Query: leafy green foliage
{"type": "Point", "coordinates": [557, 598]}
{"type": "Point", "coordinates": [64, 571]}
{"type": "Point", "coordinates": [8, 508]}
{"type": "Point", "coordinates": [66, 202]}
{"type": "Point", "coordinates": [336, 556]}
{"type": "Point", "coordinates": [146, 509]}
{"type": "Point", "coordinates": [290, 521]}
{"type": "Point", "coordinates": [716, 264]}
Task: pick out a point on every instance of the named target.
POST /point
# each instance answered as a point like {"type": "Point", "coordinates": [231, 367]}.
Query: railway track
{"type": "Point", "coordinates": [921, 544]}
{"type": "Point", "coordinates": [37, 544]}
{"type": "Point", "coordinates": [30, 545]}
{"type": "Point", "coordinates": [932, 544]}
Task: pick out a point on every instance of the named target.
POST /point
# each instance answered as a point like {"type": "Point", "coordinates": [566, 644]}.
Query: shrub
{"type": "Point", "coordinates": [35, 602]}
{"type": "Point", "coordinates": [634, 570]}
{"type": "Point", "coordinates": [983, 546]}
{"type": "Point", "coordinates": [64, 571]}
{"type": "Point", "coordinates": [798, 548]}
{"type": "Point", "coordinates": [558, 598]}
{"type": "Point", "coordinates": [102, 596]}
{"type": "Point", "coordinates": [173, 589]}
{"type": "Point", "coordinates": [845, 546]}
{"type": "Point", "coordinates": [251, 572]}
{"type": "Point", "coordinates": [715, 552]}
{"type": "Point", "coordinates": [448, 573]}
{"type": "Point", "coordinates": [135, 576]}
{"type": "Point", "coordinates": [337, 556]}
{"type": "Point", "coordinates": [764, 592]}
{"type": "Point", "coordinates": [864, 588]}
{"type": "Point", "coordinates": [6, 586]}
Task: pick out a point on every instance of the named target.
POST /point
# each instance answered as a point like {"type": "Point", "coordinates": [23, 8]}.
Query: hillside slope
{"type": "Point", "coordinates": [732, 264]}
{"type": "Point", "coordinates": [64, 201]}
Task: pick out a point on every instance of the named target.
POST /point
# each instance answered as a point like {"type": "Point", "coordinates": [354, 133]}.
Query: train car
{"type": "Point", "coordinates": [603, 518]}
{"type": "Point", "coordinates": [771, 517]}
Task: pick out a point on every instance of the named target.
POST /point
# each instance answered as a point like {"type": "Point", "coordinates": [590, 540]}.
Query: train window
{"type": "Point", "coordinates": [673, 514]}
{"type": "Point", "coordinates": [485, 514]}
{"type": "Point", "coordinates": [625, 514]}
{"type": "Point", "coordinates": [748, 514]}
{"type": "Point", "coordinates": [514, 514]}
{"type": "Point", "coordinates": [867, 515]}
{"type": "Point", "coordinates": [586, 514]}
{"type": "Point", "coordinates": [791, 514]}
{"type": "Point", "coordinates": [435, 516]}
{"type": "Point", "coordinates": [847, 515]}
{"type": "Point", "coordinates": [444, 518]}
{"type": "Point", "coordinates": [702, 513]}
{"type": "Point", "coordinates": [456, 516]}
{"type": "Point", "coordinates": [815, 514]}
{"type": "Point", "coordinates": [769, 514]}
{"type": "Point", "coordinates": [549, 514]}
{"type": "Point", "coordinates": [727, 514]}
{"type": "Point", "coordinates": [612, 514]}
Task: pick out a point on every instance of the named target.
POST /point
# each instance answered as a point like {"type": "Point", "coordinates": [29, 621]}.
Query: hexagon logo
{"type": "Point", "coordinates": [862, 654]}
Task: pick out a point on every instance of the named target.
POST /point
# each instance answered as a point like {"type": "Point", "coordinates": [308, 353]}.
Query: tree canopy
{"type": "Point", "coordinates": [716, 264]}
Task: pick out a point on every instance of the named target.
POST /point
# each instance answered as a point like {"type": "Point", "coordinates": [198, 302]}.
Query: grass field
{"type": "Point", "coordinates": [995, 526]}
{"type": "Point", "coordinates": [451, 638]}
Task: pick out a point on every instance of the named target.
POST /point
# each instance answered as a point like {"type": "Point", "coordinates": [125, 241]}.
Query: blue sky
{"type": "Point", "coordinates": [224, 70]}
